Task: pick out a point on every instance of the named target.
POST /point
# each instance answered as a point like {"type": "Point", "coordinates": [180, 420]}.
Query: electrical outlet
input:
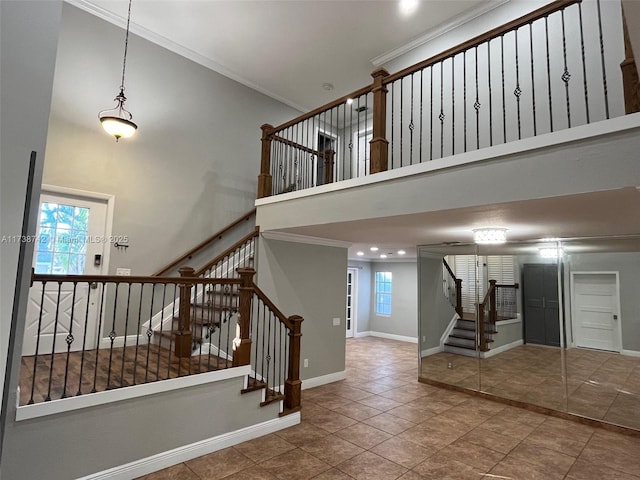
{"type": "Point", "coordinates": [126, 272]}
{"type": "Point", "coordinates": [336, 322]}
{"type": "Point", "coordinates": [306, 362]}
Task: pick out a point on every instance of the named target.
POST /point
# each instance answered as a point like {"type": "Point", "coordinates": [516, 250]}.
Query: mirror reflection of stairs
{"type": "Point", "coordinates": [462, 339]}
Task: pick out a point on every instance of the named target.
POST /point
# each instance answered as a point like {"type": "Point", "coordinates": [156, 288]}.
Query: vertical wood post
{"type": "Point", "coordinates": [184, 337]}
{"type": "Point", "coordinates": [630, 80]}
{"type": "Point", "coordinates": [493, 312]}
{"type": "Point", "coordinates": [242, 352]}
{"type": "Point", "coordinates": [293, 385]}
{"type": "Point", "coordinates": [328, 166]}
{"type": "Point", "coordinates": [459, 297]}
{"type": "Point", "coordinates": [379, 144]}
{"type": "Point", "coordinates": [480, 328]}
{"type": "Point", "coordinates": [264, 179]}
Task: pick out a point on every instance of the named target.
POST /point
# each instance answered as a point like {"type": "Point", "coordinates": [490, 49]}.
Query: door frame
{"type": "Point", "coordinates": [354, 303]}
{"type": "Point", "coordinates": [616, 274]}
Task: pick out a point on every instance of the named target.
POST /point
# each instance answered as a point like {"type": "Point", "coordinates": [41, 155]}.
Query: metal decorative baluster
{"type": "Point", "coordinates": [411, 124]}
{"type": "Point", "coordinates": [69, 339]}
{"type": "Point", "coordinates": [268, 357]}
{"type": "Point", "coordinates": [431, 114]}
{"type": "Point", "coordinates": [421, 114]}
{"type": "Point", "coordinates": [453, 105]}
{"type": "Point", "coordinates": [150, 333]}
{"type": "Point", "coordinates": [604, 70]}
{"type": "Point", "coordinates": [504, 98]}
{"type": "Point", "coordinates": [95, 371]}
{"type": "Point", "coordinates": [546, 34]}
{"type": "Point", "coordinates": [35, 358]}
{"type": "Point", "coordinates": [533, 86]}
{"type": "Point", "coordinates": [464, 98]}
{"type": "Point", "coordinates": [84, 339]}
{"type": "Point", "coordinates": [441, 116]}
{"type": "Point", "coordinates": [584, 65]}
{"type": "Point", "coordinates": [393, 104]}
{"type": "Point", "coordinates": [566, 76]}
{"type": "Point", "coordinates": [280, 382]}
{"type": "Point", "coordinates": [126, 329]}
{"type": "Point", "coordinates": [518, 91]}
{"type": "Point", "coordinates": [138, 325]}
{"type": "Point", "coordinates": [477, 105]}
{"type": "Point", "coordinates": [490, 98]}
{"type": "Point", "coordinates": [264, 327]}
{"type": "Point", "coordinates": [53, 343]}
{"type": "Point", "coordinates": [112, 335]}
{"type": "Point", "coordinates": [401, 119]}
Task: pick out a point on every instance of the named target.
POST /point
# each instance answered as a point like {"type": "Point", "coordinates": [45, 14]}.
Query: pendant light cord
{"type": "Point", "coordinates": [126, 46]}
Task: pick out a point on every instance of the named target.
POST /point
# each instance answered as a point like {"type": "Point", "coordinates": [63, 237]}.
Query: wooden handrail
{"type": "Point", "coordinates": [36, 277]}
{"type": "Point", "coordinates": [254, 233]}
{"type": "Point", "coordinates": [446, 265]}
{"type": "Point", "coordinates": [203, 244]}
{"type": "Point", "coordinates": [328, 106]}
{"type": "Point", "coordinates": [281, 316]}
{"type": "Point", "coordinates": [290, 143]}
{"type": "Point", "coordinates": [458, 281]}
{"type": "Point", "coordinates": [480, 39]}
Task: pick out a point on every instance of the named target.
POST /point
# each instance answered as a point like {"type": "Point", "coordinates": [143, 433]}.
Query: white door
{"type": "Point", "coordinates": [71, 236]}
{"type": "Point", "coordinates": [352, 280]}
{"type": "Point", "coordinates": [595, 311]}
{"type": "Point", "coordinates": [361, 142]}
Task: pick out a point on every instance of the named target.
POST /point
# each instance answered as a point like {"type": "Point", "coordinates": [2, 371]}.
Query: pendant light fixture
{"type": "Point", "coordinates": [118, 121]}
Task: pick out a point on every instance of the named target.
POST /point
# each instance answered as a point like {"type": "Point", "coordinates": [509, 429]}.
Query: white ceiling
{"type": "Point", "coordinates": [288, 49]}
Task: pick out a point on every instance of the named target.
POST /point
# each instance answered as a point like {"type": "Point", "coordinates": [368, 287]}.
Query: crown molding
{"type": "Point", "coordinates": [295, 238]}
{"type": "Point", "coordinates": [456, 22]}
{"type": "Point", "coordinates": [178, 49]}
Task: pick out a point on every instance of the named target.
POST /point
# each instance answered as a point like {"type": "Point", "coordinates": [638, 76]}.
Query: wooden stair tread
{"type": "Point", "coordinates": [468, 347]}
{"type": "Point", "coordinates": [201, 321]}
{"type": "Point", "coordinates": [172, 333]}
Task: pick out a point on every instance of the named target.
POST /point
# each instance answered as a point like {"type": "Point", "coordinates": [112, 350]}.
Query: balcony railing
{"type": "Point", "coordinates": [552, 69]}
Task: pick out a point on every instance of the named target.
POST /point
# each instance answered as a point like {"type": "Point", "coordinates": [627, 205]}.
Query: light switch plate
{"type": "Point", "coordinates": [336, 322]}
{"type": "Point", "coordinates": [124, 272]}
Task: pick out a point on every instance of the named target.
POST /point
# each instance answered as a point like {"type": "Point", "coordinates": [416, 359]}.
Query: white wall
{"type": "Point", "coordinates": [363, 300]}
{"type": "Point", "coordinates": [403, 320]}
{"type": "Point", "coordinates": [28, 42]}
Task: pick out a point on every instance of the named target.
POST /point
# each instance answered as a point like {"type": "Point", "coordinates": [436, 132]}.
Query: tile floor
{"type": "Point", "coordinates": [380, 423]}
{"type": "Point", "coordinates": [600, 385]}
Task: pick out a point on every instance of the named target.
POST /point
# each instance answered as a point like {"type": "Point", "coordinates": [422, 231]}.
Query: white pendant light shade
{"type": "Point", "coordinates": [118, 127]}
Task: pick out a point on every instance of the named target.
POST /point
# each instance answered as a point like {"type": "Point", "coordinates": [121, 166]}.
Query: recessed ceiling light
{"type": "Point", "coordinates": [374, 249]}
{"type": "Point", "coordinates": [407, 7]}
{"type": "Point", "coordinates": [349, 101]}
{"type": "Point", "coordinates": [360, 254]}
{"type": "Point", "coordinates": [328, 86]}
{"type": "Point", "coordinates": [383, 256]}
{"type": "Point", "coordinates": [551, 252]}
{"type": "Point", "coordinates": [550, 239]}
{"type": "Point", "coordinates": [401, 252]}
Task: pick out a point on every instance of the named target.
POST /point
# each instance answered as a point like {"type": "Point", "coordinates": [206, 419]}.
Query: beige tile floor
{"type": "Point", "coordinates": [600, 385]}
{"type": "Point", "coordinates": [380, 423]}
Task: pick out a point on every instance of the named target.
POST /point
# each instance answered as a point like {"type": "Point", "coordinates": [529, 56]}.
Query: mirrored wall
{"type": "Point", "coordinates": [552, 323]}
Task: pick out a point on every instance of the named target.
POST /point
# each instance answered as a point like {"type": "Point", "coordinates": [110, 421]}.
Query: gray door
{"type": "Point", "coordinates": [541, 305]}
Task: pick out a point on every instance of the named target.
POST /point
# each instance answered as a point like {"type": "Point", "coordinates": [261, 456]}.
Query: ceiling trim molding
{"type": "Point", "coordinates": [296, 238]}
{"type": "Point", "coordinates": [178, 49]}
{"type": "Point", "coordinates": [437, 32]}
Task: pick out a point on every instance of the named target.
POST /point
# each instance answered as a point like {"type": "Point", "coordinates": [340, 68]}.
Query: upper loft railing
{"type": "Point", "coordinates": [552, 69]}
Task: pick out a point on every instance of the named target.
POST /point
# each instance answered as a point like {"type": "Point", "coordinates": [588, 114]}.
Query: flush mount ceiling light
{"type": "Point", "coordinates": [407, 7]}
{"type": "Point", "coordinates": [360, 254]}
{"type": "Point", "coordinates": [489, 236]}
{"type": "Point", "coordinates": [374, 249]}
{"type": "Point", "coordinates": [401, 252]}
{"type": "Point", "coordinates": [383, 256]}
{"type": "Point", "coordinates": [118, 121]}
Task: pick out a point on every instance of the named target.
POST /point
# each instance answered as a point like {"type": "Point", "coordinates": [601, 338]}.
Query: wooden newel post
{"type": "Point", "coordinates": [459, 310]}
{"type": "Point", "coordinates": [379, 144]}
{"type": "Point", "coordinates": [293, 384]}
{"type": "Point", "coordinates": [328, 166]}
{"type": "Point", "coordinates": [184, 337]}
{"type": "Point", "coordinates": [493, 311]}
{"type": "Point", "coordinates": [264, 179]}
{"type": "Point", "coordinates": [242, 344]}
{"type": "Point", "coordinates": [630, 81]}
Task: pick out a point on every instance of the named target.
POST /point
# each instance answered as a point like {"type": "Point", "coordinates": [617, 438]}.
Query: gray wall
{"type": "Point", "coordinates": [309, 280]}
{"type": "Point", "coordinates": [404, 300]}
{"type": "Point", "coordinates": [174, 185]}
{"type": "Point", "coordinates": [74, 444]}
{"type": "Point", "coordinates": [29, 32]}
{"type": "Point", "coordinates": [507, 334]}
{"type": "Point", "coordinates": [363, 302]}
{"type": "Point", "coordinates": [434, 308]}
{"type": "Point", "coordinates": [628, 266]}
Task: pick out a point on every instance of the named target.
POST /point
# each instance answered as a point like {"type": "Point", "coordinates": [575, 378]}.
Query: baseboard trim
{"type": "Point", "coordinates": [105, 342]}
{"type": "Point", "coordinates": [323, 379]}
{"type": "Point", "coordinates": [187, 452]}
{"type": "Point", "coordinates": [431, 351]}
{"type": "Point", "coordinates": [390, 336]}
{"type": "Point", "coordinates": [630, 353]}
{"type": "Point", "coordinates": [500, 349]}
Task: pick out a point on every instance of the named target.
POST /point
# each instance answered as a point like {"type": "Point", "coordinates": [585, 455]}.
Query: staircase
{"type": "Point", "coordinates": [462, 339]}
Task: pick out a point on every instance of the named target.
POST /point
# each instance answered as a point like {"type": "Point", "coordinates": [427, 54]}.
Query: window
{"type": "Point", "coordinates": [61, 248]}
{"type": "Point", "coordinates": [383, 293]}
